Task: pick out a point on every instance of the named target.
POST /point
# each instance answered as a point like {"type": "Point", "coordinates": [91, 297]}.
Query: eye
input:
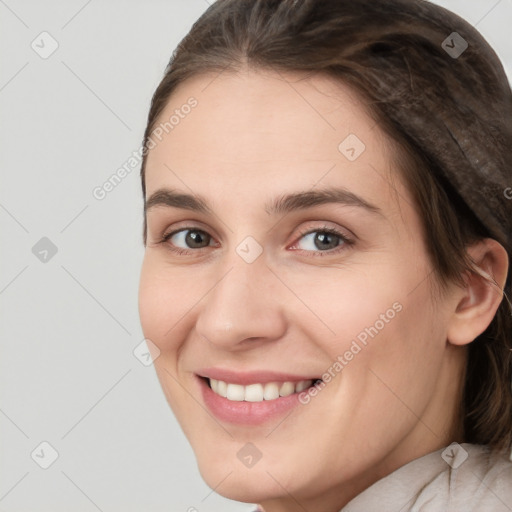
{"type": "Point", "coordinates": [191, 238]}
{"type": "Point", "coordinates": [323, 240]}
{"type": "Point", "coordinates": [317, 241]}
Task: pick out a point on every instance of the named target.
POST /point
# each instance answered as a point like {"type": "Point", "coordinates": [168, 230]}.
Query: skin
{"type": "Point", "coordinates": [255, 135]}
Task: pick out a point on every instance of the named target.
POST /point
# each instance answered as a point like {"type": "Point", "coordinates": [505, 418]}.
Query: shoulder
{"type": "Point", "coordinates": [483, 481]}
{"type": "Point", "coordinates": [459, 478]}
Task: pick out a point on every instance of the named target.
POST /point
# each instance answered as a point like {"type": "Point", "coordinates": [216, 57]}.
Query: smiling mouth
{"type": "Point", "coordinates": [258, 392]}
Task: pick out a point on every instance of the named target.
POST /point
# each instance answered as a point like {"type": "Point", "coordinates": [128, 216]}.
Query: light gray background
{"type": "Point", "coordinates": [70, 325]}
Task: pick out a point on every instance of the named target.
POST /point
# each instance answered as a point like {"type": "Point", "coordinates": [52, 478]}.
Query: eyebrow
{"type": "Point", "coordinates": [281, 204]}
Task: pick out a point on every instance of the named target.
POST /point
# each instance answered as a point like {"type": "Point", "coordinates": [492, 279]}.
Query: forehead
{"type": "Point", "coordinates": [256, 131]}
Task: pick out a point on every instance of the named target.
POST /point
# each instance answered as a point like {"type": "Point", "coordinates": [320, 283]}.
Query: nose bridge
{"type": "Point", "coordinates": [242, 303]}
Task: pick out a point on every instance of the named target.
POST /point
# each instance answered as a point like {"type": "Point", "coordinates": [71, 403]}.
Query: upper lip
{"type": "Point", "coordinates": [251, 377]}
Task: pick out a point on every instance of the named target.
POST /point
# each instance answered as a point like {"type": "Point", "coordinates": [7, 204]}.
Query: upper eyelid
{"type": "Point", "coordinates": [341, 231]}
{"type": "Point", "coordinates": [302, 231]}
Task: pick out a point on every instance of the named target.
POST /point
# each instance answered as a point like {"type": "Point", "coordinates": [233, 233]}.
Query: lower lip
{"type": "Point", "coordinates": [246, 413]}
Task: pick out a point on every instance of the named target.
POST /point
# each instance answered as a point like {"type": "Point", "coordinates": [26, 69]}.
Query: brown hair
{"type": "Point", "coordinates": [449, 118]}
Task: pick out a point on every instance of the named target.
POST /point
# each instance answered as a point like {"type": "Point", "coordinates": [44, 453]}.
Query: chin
{"type": "Point", "coordinates": [248, 485]}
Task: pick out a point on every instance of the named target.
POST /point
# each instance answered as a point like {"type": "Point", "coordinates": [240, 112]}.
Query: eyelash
{"type": "Point", "coordinates": [345, 241]}
{"type": "Point", "coordinates": [344, 244]}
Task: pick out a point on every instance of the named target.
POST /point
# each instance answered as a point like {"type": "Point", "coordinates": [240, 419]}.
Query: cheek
{"type": "Point", "coordinates": [380, 334]}
{"type": "Point", "coordinates": [152, 303]}
{"type": "Point", "coordinates": [165, 297]}
{"type": "Point", "coordinates": [392, 378]}
{"type": "Point", "coordinates": [344, 306]}
{"type": "Point", "coordinates": [164, 300]}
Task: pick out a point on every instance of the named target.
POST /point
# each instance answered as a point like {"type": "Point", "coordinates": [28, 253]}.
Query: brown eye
{"type": "Point", "coordinates": [188, 238]}
{"type": "Point", "coordinates": [325, 240]}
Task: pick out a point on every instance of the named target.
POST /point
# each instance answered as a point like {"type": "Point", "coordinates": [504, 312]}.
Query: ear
{"type": "Point", "coordinates": [477, 302]}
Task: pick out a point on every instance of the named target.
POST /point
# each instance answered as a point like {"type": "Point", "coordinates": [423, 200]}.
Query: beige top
{"type": "Point", "coordinates": [458, 478]}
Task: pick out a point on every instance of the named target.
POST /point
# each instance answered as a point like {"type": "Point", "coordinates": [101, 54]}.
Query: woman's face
{"type": "Point", "coordinates": [296, 256]}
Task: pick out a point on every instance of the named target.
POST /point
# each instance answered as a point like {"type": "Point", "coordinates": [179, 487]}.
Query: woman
{"type": "Point", "coordinates": [328, 239]}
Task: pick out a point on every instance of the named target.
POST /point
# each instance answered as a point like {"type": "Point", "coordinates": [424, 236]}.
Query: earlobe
{"type": "Point", "coordinates": [482, 293]}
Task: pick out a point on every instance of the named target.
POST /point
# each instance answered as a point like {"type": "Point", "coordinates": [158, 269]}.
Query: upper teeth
{"type": "Point", "coordinates": [257, 392]}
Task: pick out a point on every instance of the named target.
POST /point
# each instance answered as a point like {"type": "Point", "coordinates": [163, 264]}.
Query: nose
{"type": "Point", "coordinates": [244, 308]}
